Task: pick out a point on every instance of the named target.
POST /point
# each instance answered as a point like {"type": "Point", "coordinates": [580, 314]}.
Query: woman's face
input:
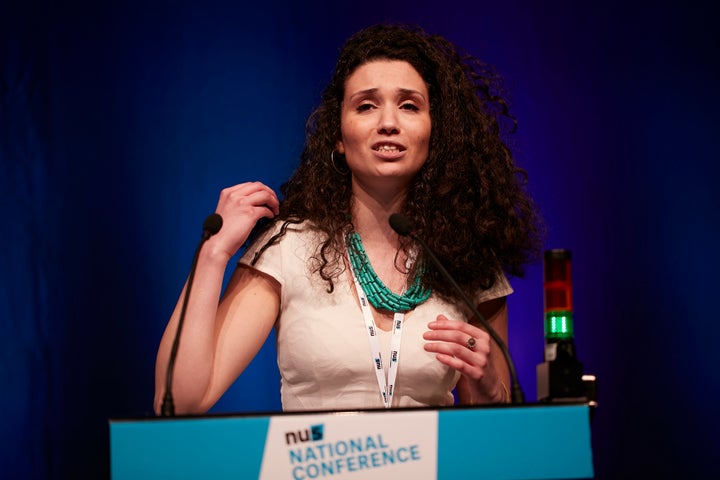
{"type": "Point", "coordinates": [385, 123]}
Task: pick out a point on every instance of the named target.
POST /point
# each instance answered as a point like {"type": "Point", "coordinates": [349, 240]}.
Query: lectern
{"type": "Point", "coordinates": [532, 441]}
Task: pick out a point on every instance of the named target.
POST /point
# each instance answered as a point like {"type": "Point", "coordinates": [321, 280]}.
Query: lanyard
{"type": "Point", "coordinates": [386, 386]}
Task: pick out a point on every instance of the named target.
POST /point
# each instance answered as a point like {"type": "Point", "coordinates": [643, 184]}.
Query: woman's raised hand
{"type": "Point", "coordinates": [240, 207]}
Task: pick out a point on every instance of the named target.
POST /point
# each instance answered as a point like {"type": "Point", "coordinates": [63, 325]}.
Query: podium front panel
{"type": "Point", "coordinates": [506, 442]}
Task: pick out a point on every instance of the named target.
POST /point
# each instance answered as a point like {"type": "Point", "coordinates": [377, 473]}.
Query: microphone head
{"type": "Point", "coordinates": [401, 224]}
{"type": "Point", "coordinates": [212, 224]}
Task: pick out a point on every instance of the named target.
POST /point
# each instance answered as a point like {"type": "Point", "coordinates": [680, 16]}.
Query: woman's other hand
{"type": "Point", "coordinates": [469, 349]}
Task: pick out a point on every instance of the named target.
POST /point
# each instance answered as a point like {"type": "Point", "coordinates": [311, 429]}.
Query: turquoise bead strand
{"type": "Point", "coordinates": [378, 294]}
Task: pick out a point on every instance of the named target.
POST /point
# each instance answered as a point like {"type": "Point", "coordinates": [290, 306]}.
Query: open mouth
{"type": "Point", "coordinates": [388, 148]}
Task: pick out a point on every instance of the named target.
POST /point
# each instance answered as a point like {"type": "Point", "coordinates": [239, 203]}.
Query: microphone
{"type": "Point", "coordinates": [404, 226]}
{"type": "Point", "coordinates": [211, 226]}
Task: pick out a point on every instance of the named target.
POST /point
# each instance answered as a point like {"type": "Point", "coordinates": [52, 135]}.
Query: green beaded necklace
{"type": "Point", "coordinates": [379, 295]}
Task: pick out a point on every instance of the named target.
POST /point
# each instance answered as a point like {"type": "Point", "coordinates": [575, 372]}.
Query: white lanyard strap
{"type": "Point", "coordinates": [386, 387]}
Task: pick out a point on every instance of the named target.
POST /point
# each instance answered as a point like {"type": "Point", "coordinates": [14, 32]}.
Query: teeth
{"type": "Point", "coordinates": [388, 148]}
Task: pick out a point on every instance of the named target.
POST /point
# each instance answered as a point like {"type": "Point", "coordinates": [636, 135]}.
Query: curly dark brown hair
{"type": "Point", "coordinates": [468, 200]}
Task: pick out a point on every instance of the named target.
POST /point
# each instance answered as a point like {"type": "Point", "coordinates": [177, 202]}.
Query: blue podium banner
{"type": "Point", "coordinates": [534, 441]}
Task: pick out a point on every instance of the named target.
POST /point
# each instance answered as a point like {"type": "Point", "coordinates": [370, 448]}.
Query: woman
{"type": "Point", "coordinates": [407, 124]}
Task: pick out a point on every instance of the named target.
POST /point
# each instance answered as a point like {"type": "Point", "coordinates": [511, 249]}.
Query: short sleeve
{"type": "Point", "coordinates": [501, 288]}
{"type": "Point", "coordinates": [265, 259]}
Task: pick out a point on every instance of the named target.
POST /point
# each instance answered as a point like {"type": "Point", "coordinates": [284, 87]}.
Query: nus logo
{"type": "Point", "coordinates": [313, 434]}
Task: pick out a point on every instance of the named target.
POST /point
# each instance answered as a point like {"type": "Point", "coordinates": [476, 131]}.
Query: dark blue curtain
{"type": "Point", "coordinates": [120, 122]}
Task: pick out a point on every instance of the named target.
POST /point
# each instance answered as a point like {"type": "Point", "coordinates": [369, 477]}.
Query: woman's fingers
{"type": "Point", "coordinates": [459, 345]}
{"type": "Point", "coordinates": [241, 206]}
{"type": "Point", "coordinates": [251, 194]}
{"type": "Point", "coordinates": [461, 333]}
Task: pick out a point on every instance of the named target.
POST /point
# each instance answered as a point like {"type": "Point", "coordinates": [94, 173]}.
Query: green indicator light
{"type": "Point", "coordinates": [559, 325]}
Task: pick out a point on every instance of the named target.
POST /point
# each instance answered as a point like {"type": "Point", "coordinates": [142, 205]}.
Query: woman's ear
{"type": "Point", "coordinates": [340, 147]}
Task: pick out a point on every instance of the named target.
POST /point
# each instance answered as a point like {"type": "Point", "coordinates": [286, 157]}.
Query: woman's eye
{"type": "Point", "coordinates": [409, 106]}
{"type": "Point", "coordinates": [364, 107]}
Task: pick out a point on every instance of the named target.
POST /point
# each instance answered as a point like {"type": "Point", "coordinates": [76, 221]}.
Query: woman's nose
{"type": "Point", "coordinates": [388, 122]}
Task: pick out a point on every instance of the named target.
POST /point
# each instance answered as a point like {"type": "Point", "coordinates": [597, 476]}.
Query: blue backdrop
{"type": "Point", "coordinates": [120, 123]}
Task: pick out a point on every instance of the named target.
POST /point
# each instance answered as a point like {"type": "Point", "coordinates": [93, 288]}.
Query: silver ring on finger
{"type": "Point", "coordinates": [471, 343]}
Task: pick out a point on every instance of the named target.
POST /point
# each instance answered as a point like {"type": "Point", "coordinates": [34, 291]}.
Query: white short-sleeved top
{"type": "Point", "coordinates": [322, 346]}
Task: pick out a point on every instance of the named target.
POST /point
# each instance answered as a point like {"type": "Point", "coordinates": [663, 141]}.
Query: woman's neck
{"type": "Point", "coordinates": [371, 212]}
{"type": "Point", "coordinates": [380, 242]}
